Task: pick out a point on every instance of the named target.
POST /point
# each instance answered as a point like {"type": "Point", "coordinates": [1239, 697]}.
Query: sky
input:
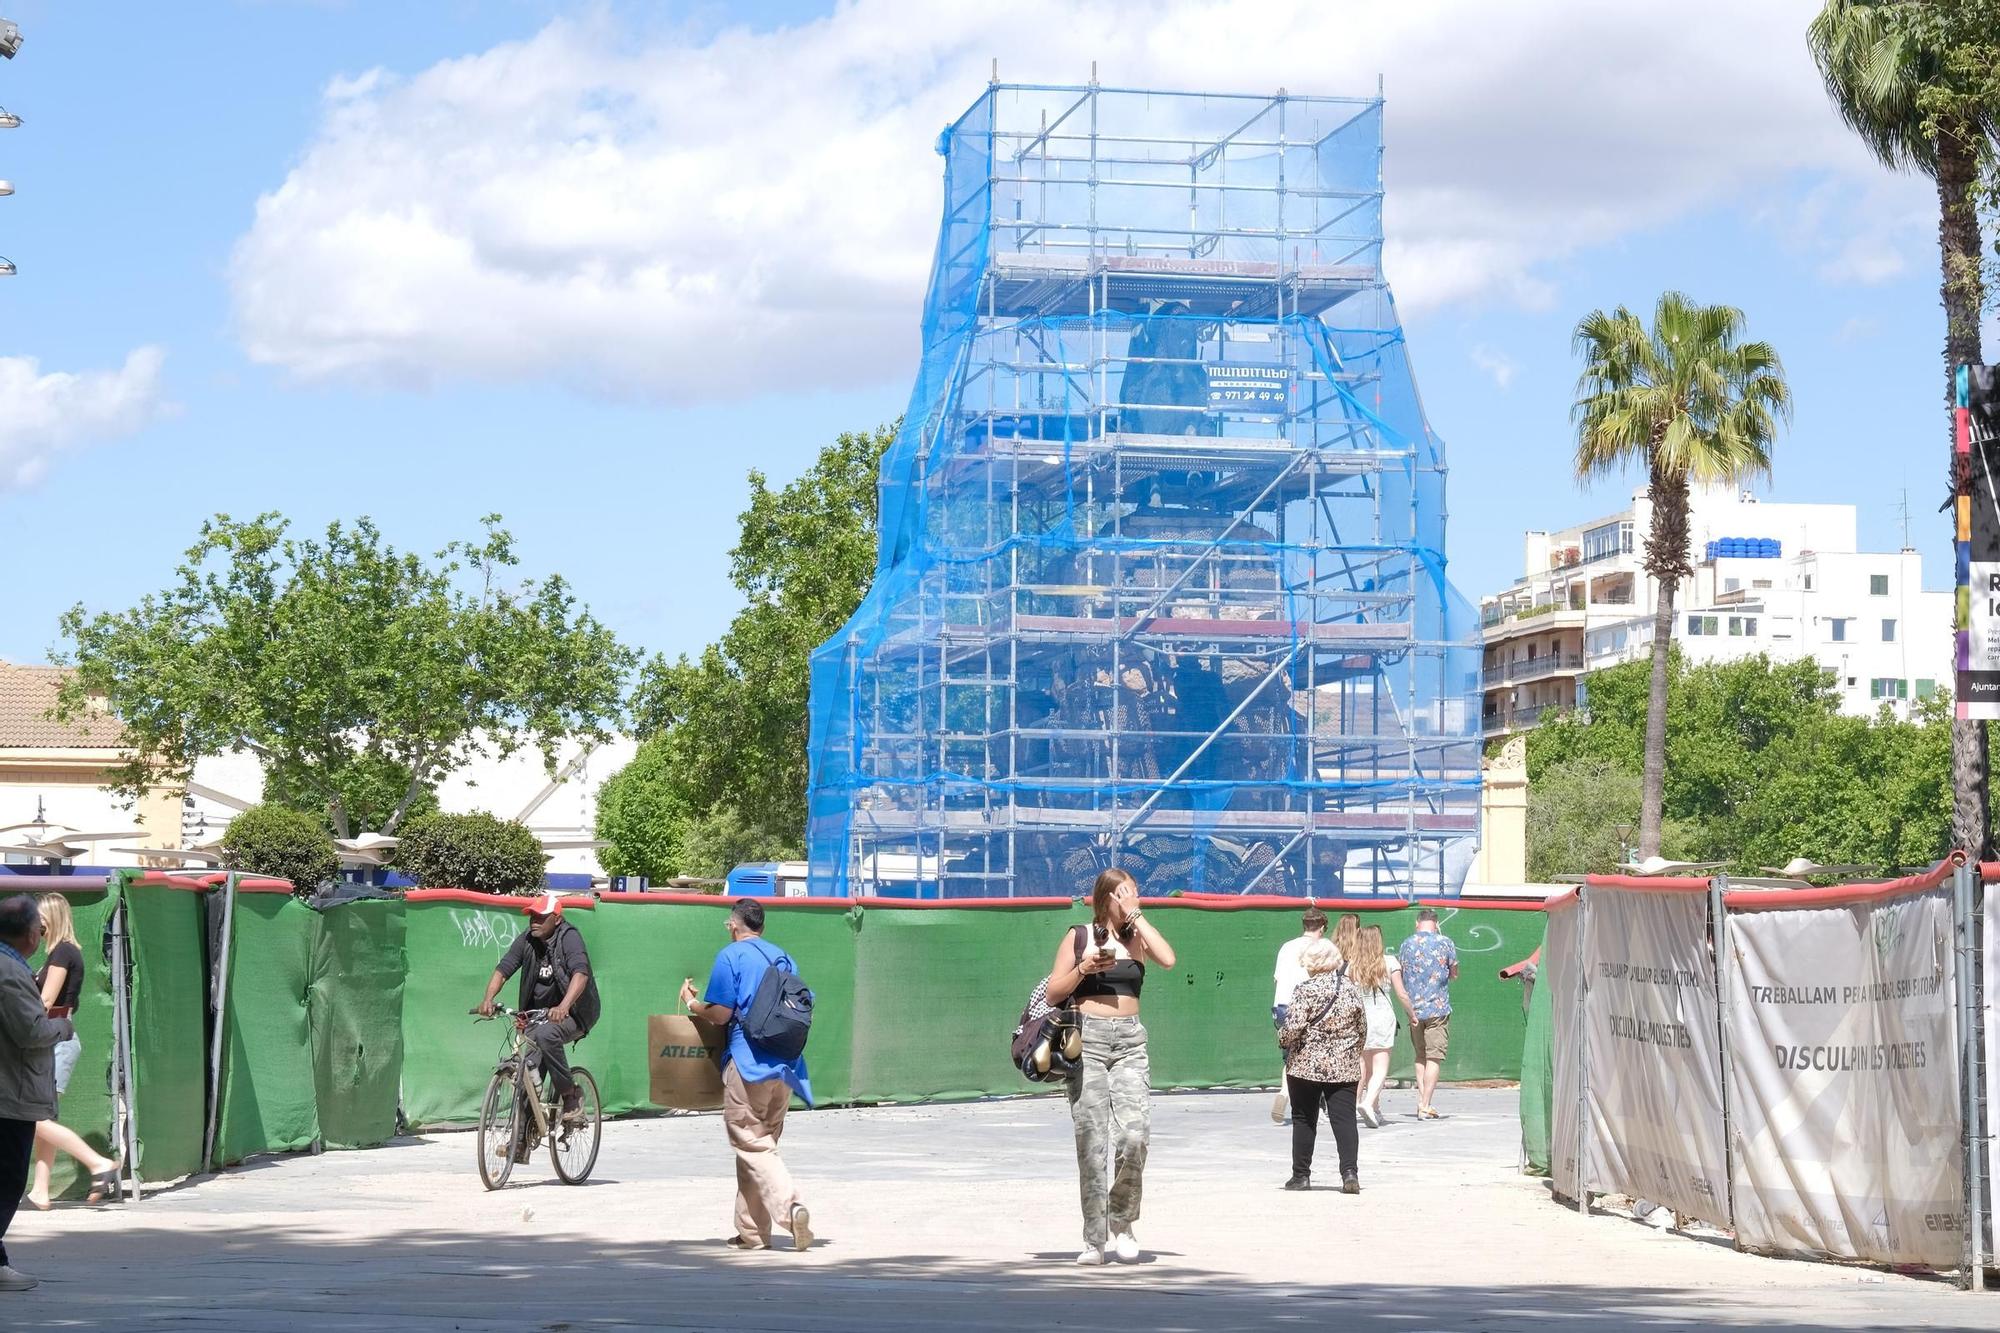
{"type": "Point", "coordinates": [585, 265]}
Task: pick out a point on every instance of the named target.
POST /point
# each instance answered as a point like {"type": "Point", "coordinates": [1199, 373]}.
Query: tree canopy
{"type": "Point", "coordinates": [721, 776]}
{"type": "Point", "coordinates": [343, 662]}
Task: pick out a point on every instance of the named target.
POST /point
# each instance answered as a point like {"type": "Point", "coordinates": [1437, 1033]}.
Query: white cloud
{"type": "Point", "coordinates": [693, 218]}
{"type": "Point", "coordinates": [1497, 364]}
{"type": "Point", "coordinates": [42, 414]}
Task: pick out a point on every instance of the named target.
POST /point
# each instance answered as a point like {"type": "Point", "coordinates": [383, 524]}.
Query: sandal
{"type": "Point", "coordinates": [105, 1184]}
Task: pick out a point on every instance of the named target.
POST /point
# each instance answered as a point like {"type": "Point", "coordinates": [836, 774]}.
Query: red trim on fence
{"type": "Point", "coordinates": [1532, 960]}
{"type": "Point", "coordinates": [258, 885]}
{"type": "Point", "coordinates": [1283, 900]}
{"type": "Point", "coordinates": [1568, 897]}
{"type": "Point", "coordinates": [1843, 895]}
{"type": "Point", "coordinates": [1649, 883]}
{"type": "Point", "coordinates": [724, 900]}
{"type": "Point", "coordinates": [507, 901]}
{"type": "Point", "coordinates": [1485, 904]}
{"type": "Point", "coordinates": [1989, 871]}
{"type": "Point", "coordinates": [154, 879]}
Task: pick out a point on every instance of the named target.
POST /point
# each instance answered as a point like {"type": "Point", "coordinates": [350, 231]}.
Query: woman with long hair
{"type": "Point", "coordinates": [1102, 967]}
{"type": "Point", "coordinates": [1321, 1036]}
{"type": "Point", "coordinates": [61, 980]}
{"type": "Point", "coordinates": [1344, 931]}
{"type": "Point", "coordinates": [1374, 973]}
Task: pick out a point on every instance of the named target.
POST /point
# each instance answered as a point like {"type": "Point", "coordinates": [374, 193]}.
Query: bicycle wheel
{"type": "Point", "coordinates": [499, 1129]}
{"type": "Point", "coordinates": [573, 1147]}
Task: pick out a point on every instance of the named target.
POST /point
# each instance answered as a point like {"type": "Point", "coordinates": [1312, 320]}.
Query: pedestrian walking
{"type": "Point", "coordinates": [60, 982]}
{"type": "Point", "coordinates": [28, 1038]}
{"type": "Point", "coordinates": [1288, 973]}
{"type": "Point", "coordinates": [1322, 1033]}
{"type": "Point", "coordinates": [757, 1086]}
{"type": "Point", "coordinates": [1430, 965]}
{"type": "Point", "coordinates": [1344, 931]}
{"type": "Point", "coordinates": [1378, 976]}
{"type": "Point", "coordinates": [1102, 968]}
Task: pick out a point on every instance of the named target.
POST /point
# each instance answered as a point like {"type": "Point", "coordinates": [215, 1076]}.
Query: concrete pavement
{"type": "Point", "coordinates": [931, 1217]}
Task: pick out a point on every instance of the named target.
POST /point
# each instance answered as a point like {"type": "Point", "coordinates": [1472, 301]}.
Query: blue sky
{"type": "Point", "coordinates": [586, 265]}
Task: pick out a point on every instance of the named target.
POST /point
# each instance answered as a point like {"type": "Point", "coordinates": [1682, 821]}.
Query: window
{"type": "Point", "coordinates": [1926, 689]}
{"type": "Point", "coordinates": [1606, 540]}
{"type": "Point", "coordinates": [1836, 629]}
{"type": "Point", "coordinates": [1742, 627]}
{"type": "Point", "coordinates": [1888, 631]}
{"type": "Point", "coordinates": [1878, 585]}
{"type": "Point", "coordinates": [1698, 626]}
{"type": "Point", "coordinates": [1885, 687]}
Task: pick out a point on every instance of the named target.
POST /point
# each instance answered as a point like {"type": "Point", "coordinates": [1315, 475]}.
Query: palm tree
{"type": "Point", "coordinates": [1916, 83]}
{"type": "Point", "coordinates": [1690, 401]}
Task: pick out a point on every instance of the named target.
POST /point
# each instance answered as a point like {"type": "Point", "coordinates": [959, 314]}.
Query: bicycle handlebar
{"type": "Point", "coordinates": [529, 1014]}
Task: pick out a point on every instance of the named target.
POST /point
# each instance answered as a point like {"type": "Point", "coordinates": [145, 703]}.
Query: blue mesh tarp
{"type": "Point", "coordinates": [1162, 576]}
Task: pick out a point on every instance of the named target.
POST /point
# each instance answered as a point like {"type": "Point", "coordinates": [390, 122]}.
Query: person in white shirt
{"type": "Point", "coordinates": [1290, 971]}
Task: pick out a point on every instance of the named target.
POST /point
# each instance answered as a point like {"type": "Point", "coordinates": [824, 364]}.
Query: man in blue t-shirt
{"type": "Point", "coordinates": [756, 1088]}
{"type": "Point", "coordinates": [1429, 962]}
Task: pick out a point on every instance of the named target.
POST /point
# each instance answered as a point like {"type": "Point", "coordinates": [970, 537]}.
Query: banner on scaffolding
{"type": "Point", "coordinates": [1845, 1097]}
{"type": "Point", "coordinates": [1976, 444]}
{"type": "Point", "coordinates": [1652, 1049]}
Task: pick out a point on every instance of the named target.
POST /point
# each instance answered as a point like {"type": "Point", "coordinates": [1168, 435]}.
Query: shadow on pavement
{"type": "Point", "coordinates": [299, 1281]}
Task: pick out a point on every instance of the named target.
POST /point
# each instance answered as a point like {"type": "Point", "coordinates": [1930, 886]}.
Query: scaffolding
{"type": "Point", "coordinates": [1161, 580]}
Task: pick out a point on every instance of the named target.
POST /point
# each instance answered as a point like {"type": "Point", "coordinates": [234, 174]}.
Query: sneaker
{"type": "Point", "coordinates": [572, 1106]}
{"type": "Point", "coordinates": [802, 1232]}
{"type": "Point", "coordinates": [739, 1243]}
{"type": "Point", "coordinates": [1126, 1247]}
{"type": "Point", "coordinates": [1428, 1113]}
{"type": "Point", "coordinates": [1350, 1183]}
{"type": "Point", "coordinates": [1279, 1108]}
{"type": "Point", "coordinates": [1300, 1180]}
{"type": "Point", "coordinates": [12, 1279]}
{"type": "Point", "coordinates": [1092, 1256]}
{"type": "Point", "coordinates": [1368, 1117]}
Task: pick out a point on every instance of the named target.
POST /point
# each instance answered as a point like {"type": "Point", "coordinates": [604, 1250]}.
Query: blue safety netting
{"type": "Point", "coordinates": [1162, 577]}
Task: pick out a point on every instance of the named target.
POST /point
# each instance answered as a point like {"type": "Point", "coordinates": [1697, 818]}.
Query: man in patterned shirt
{"type": "Point", "coordinates": [1430, 965]}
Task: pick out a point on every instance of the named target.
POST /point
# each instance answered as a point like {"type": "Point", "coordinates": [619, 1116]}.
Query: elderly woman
{"type": "Point", "coordinates": [1321, 1036]}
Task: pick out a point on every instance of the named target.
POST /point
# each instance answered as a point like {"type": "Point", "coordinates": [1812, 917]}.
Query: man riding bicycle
{"type": "Point", "coordinates": [555, 976]}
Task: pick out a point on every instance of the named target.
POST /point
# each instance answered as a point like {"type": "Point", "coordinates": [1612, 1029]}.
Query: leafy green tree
{"type": "Point", "coordinates": [1688, 400]}
{"type": "Point", "coordinates": [1919, 82]}
{"type": "Point", "coordinates": [370, 789]}
{"type": "Point", "coordinates": [1581, 814]}
{"type": "Point", "coordinates": [282, 843]}
{"type": "Point", "coordinates": [730, 726]}
{"type": "Point", "coordinates": [337, 660]}
{"type": "Point", "coordinates": [478, 851]}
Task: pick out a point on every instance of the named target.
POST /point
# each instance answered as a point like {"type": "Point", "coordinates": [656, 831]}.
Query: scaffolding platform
{"type": "Point", "coordinates": [1161, 580]}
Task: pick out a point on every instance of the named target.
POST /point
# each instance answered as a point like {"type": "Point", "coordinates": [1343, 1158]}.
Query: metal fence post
{"type": "Point", "coordinates": [1583, 1050]}
{"type": "Point", "coordinates": [124, 1101]}
{"type": "Point", "coordinates": [1718, 887]}
{"type": "Point", "coordinates": [219, 999]}
{"type": "Point", "coordinates": [1970, 1034]}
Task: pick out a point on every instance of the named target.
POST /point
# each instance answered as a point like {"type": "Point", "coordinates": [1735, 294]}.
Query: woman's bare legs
{"type": "Point", "coordinates": [1375, 1072]}
{"type": "Point", "coordinates": [50, 1138]}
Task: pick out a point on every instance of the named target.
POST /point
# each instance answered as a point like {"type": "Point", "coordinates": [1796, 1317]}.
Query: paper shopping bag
{"type": "Point", "coordinates": [685, 1063]}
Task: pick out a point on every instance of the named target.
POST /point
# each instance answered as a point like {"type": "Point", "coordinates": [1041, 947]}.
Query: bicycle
{"type": "Point", "coordinates": [517, 1117]}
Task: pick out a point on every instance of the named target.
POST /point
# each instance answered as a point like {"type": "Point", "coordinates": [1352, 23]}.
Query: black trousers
{"type": "Point", "coordinates": [550, 1040]}
{"type": "Point", "coordinates": [17, 1149]}
{"type": "Point", "coordinates": [1338, 1098]}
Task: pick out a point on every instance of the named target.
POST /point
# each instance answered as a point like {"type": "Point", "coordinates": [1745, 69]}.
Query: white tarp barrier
{"type": "Point", "coordinates": [1990, 953]}
{"type": "Point", "coordinates": [1560, 973]}
{"type": "Point", "coordinates": [1844, 1100]}
{"type": "Point", "coordinates": [1653, 1073]}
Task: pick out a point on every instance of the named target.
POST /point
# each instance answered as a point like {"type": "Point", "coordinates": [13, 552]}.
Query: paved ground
{"type": "Point", "coordinates": [930, 1217]}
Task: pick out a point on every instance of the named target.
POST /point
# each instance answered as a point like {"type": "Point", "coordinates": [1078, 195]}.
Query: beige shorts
{"type": "Point", "coordinates": [1432, 1038]}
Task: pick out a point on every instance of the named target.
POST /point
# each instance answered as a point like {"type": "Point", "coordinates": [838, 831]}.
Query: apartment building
{"type": "Point", "coordinates": [1782, 579]}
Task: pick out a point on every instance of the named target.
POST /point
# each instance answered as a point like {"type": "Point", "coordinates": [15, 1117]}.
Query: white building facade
{"type": "Point", "coordinates": [1786, 580]}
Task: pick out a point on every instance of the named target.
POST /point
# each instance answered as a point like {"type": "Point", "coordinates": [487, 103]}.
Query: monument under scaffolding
{"type": "Point", "coordinates": [1162, 578]}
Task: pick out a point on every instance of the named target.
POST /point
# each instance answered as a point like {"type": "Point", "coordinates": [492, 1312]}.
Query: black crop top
{"type": "Point", "coordinates": [1126, 977]}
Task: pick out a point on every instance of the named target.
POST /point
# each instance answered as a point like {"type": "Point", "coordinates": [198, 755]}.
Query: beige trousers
{"type": "Point", "coordinates": [754, 1114]}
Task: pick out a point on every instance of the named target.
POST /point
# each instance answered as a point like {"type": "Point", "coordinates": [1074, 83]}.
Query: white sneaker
{"type": "Point", "coordinates": [802, 1232]}
{"type": "Point", "coordinates": [14, 1280]}
{"type": "Point", "coordinates": [1125, 1247]}
{"type": "Point", "coordinates": [1092, 1256]}
{"type": "Point", "coordinates": [1278, 1109]}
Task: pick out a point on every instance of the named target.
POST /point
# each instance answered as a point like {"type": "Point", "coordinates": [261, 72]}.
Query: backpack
{"type": "Point", "coordinates": [1048, 1041]}
{"type": "Point", "coordinates": [780, 1014]}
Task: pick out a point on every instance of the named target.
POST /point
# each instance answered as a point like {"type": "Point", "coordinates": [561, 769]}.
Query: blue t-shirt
{"type": "Point", "coordinates": [1427, 958]}
{"type": "Point", "coordinates": [733, 983]}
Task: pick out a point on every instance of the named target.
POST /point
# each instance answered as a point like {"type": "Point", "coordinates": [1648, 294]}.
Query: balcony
{"type": "Point", "coordinates": [1548, 616]}
{"type": "Point", "coordinates": [1520, 719]}
{"type": "Point", "coordinates": [1534, 668]}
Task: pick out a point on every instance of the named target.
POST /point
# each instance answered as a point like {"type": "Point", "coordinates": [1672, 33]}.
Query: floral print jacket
{"type": "Point", "coordinates": [1328, 1050]}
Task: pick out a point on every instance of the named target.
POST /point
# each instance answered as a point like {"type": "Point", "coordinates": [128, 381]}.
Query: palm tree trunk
{"type": "Point", "coordinates": [1666, 561]}
{"type": "Point", "coordinates": [1959, 254]}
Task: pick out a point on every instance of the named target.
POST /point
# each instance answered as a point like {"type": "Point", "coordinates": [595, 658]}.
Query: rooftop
{"type": "Point", "coordinates": [27, 693]}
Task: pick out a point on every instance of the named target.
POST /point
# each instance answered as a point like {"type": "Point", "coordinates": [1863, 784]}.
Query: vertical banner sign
{"type": "Point", "coordinates": [1562, 973]}
{"type": "Point", "coordinates": [1976, 440]}
{"type": "Point", "coordinates": [1845, 1102]}
{"type": "Point", "coordinates": [1652, 1042]}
